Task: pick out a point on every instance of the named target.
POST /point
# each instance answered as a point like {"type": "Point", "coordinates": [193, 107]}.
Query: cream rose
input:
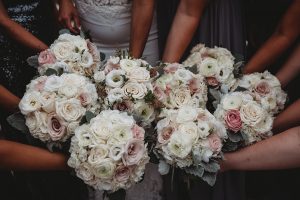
{"type": "Point", "coordinates": [97, 154]}
{"type": "Point", "coordinates": [252, 113]}
{"type": "Point", "coordinates": [135, 90]}
{"type": "Point", "coordinates": [70, 110]}
{"type": "Point", "coordinates": [128, 64]}
{"type": "Point", "coordinates": [179, 97]}
{"type": "Point", "coordinates": [104, 169]}
{"type": "Point", "coordinates": [180, 145]}
{"type": "Point", "coordinates": [140, 74]}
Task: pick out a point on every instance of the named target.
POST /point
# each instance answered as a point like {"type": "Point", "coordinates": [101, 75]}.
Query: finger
{"type": "Point", "coordinates": [70, 26]}
{"type": "Point", "coordinates": [77, 22]}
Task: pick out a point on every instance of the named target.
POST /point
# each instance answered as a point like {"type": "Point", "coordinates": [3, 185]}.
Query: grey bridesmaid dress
{"type": "Point", "coordinates": [222, 24]}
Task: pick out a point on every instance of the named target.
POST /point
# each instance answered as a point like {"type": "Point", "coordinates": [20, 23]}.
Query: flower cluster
{"type": "Point", "coordinates": [215, 64]}
{"type": "Point", "coordinates": [109, 153]}
{"type": "Point", "coordinates": [126, 85]}
{"type": "Point", "coordinates": [178, 87]}
{"type": "Point", "coordinates": [189, 138]}
{"type": "Point", "coordinates": [245, 119]}
{"type": "Point", "coordinates": [53, 106]}
{"type": "Point", "coordinates": [70, 54]}
{"type": "Point", "coordinates": [265, 89]}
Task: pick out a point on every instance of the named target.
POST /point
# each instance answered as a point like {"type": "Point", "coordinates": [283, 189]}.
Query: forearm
{"type": "Point", "coordinates": [290, 117]}
{"type": "Point", "coordinates": [8, 101]}
{"type": "Point", "coordinates": [290, 69]}
{"type": "Point", "coordinates": [141, 20]}
{"type": "Point", "coordinates": [16, 156]}
{"type": "Point", "coordinates": [183, 29]}
{"type": "Point", "coordinates": [281, 151]}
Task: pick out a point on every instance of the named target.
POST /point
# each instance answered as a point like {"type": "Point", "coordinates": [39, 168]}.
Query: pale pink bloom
{"type": "Point", "coordinates": [215, 143]}
{"type": "Point", "coordinates": [262, 88]}
{"type": "Point", "coordinates": [46, 57]}
{"type": "Point", "coordinates": [56, 127]}
{"type": "Point", "coordinates": [212, 81]}
{"type": "Point", "coordinates": [122, 173]}
{"type": "Point", "coordinates": [134, 152]}
{"type": "Point", "coordinates": [159, 93]}
{"type": "Point", "coordinates": [233, 120]}
{"type": "Point", "coordinates": [138, 132]}
{"type": "Point", "coordinates": [165, 135]}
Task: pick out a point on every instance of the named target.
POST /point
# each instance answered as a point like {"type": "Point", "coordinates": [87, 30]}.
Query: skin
{"type": "Point", "coordinates": [18, 33]}
{"type": "Point", "coordinates": [285, 35]}
{"type": "Point", "coordinates": [186, 21]}
{"type": "Point", "coordinates": [8, 101]}
{"type": "Point", "coordinates": [68, 15]}
{"type": "Point", "coordinates": [281, 151]}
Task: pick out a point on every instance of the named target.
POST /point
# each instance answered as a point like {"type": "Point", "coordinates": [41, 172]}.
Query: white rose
{"type": "Point", "coordinates": [116, 152]}
{"type": "Point", "coordinates": [99, 130]}
{"type": "Point", "coordinates": [252, 113]}
{"type": "Point", "coordinates": [73, 79]}
{"type": "Point", "coordinates": [70, 110]}
{"type": "Point", "coordinates": [72, 127]}
{"type": "Point", "coordinates": [82, 135]}
{"type": "Point", "coordinates": [191, 129]}
{"type": "Point", "coordinates": [128, 65]}
{"type": "Point", "coordinates": [104, 169]}
{"type": "Point", "coordinates": [186, 114]}
{"type": "Point", "coordinates": [122, 134]}
{"type": "Point", "coordinates": [135, 90]}
{"type": "Point", "coordinates": [99, 76]}
{"type": "Point", "coordinates": [68, 91]}
{"type": "Point", "coordinates": [180, 145]}
{"type": "Point", "coordinates": [163, 81]}
{"type": "Point", "coordinates": [231, 102]}
{"type": "Point", "coordinates": [203, 128]}
{"type": "Point", "coordinates": [30, 102]}
{"type": "Point", "coordinates": [62, 50]}
{"type": "Point", "coordinates": [265, 125]}
{"type": "Point", "coordinates": [53, 83]}
{"type": "Point", "coordinates": [115, 94]}
{"type": "Point", "coordinates": [84, 172]}
{"type": "Point", "coordinates": [209, 67]}
{"type": "Point", "coordinates": [97, 154]}
{"type": "Point", "coordinates": [48, 101]}
{"type": "Point", "coordinates": [115, 78]}
{"type": "Point", "coordinates": [183, 75]}
{"type": "Point", "coordinates": [179, 97]}
{"type": "Point", "coordinates": [139, 74]}
{"type": "Point", "coordinates": [86, 60]}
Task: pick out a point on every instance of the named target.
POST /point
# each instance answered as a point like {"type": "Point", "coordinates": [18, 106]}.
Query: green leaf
{"type": "Point", "coordinates": [82, 121]}
{"type": "Point", "coordinates": [89, 115]}
{"type": "Point", "coordinates": [195, 171]}
{"type": "Point", "coordinates": [64, 31]}
{"type": "Point", "coordinates": [193, 69]}
{"type": "Point", "coordinates": [33, 61]}
{"type": "Point", "coordinates": [60, 71]}
{"type": "Point", "coordinates": [212, 166]}
{"type": "Point", "coordinates": [234, 137]}
{"type": "Point", "coordinates": [229, 146]}
{"type": "Point", "coordinates": [17, 121]}
{"type": "Point", "coordinates": [210, 178]}
{"type": "Point", "coordinates": [240, 89]}
{"type": "Point", "coordinates": [149, 97]}
{"type": "Point", "coordinates": [50, 72]}
{"type": "Point", "coordinates": [102, 56]}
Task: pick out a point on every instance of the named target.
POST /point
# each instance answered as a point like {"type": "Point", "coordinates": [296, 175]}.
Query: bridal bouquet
{"type": "Point", "coordinates": [215, 64]}
{"type": "Point", "coordinates": [245, 119]}
{"type": "Point", "coordinates": [69, 54]}
{"type": "Point", "coordinates": [109, 153]}
{"type": "Point", "coordinates": [190, 138]}
{"type": "Point", "coordinates": [125, 84]}
{"type": "Point", "coordinates": [265, 89]}
{"type": "Point", "coordinates": [54, 105]}
{"type": "Point", "coordinates": [179, 86]}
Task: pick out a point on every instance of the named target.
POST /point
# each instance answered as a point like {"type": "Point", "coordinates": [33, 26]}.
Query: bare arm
{"type": "Point", "coordinates": [287, 32]}
{"type": "Point", "coordinates": [16, 156]}
{"type": "Point", "coordinates": [8, 101]}
{"type": "Point", "coordinates": [281, 151]}
{"type": "Point", "coordinates": [290, 117]}
{"type": "Point", "coordinates": [18, 33]}
{"type": "Point", "coordinates": [183, 28]}
{"type": "Point", "coordinates": [290, 69]}
{"type": "Point", "coordinates": [141, 20]}
{"type": "Point", "coordinates": [68, 15]}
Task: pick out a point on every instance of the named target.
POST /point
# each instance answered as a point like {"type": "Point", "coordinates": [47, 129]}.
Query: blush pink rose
{"type": "Point", "coordinates": [262, 88]}
{"type": "Point", "coordinates": [233, 120]}
{"type": "Point", "coordinates": [212, 81]}
{"type": "Point", "coordinates": [124, 106]}
{"type": "Point", "coordinates": [215, 143]}
{"type": "Point", "coordinates": [134, 152]}
{"type": "Point", "coordinates": [122, 173]}
{"type": "Point", "coordinates": [46, 57]}
{"type": "Point", "coordinates": [85, 99]}
{"type": "Point", "coordinates": [39, 86]}
{"type": "Point", "coordinates": [55, 127]}
{"type": "Point", "coordinates": [138, 132]}
{"type": "Point", "coordinates": [159, 93]}
{"type": "Point", "coordinates": [172, 68]}
{"type": "Point", "coordinates": [194, 85]}
{"type": "Point", "coordinates": [165, 135]}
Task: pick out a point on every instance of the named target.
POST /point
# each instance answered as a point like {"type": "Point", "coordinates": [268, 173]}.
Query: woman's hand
{"type": "Point", "coordinates": [68, 15]}
{"type": "Point", "coordinates": [8, 101]}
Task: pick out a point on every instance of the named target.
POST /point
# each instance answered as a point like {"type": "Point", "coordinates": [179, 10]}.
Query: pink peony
{"type": "Point", "coordinates": [55, 127]}
{"type": "Point", "coordinates": [172, 68]}
{"type": "Point", "coordinates": [138, 132]}
{"type": "Point", "coordinates": [134, 152]}
{"type": "Point", "coordinates": [262, 88]}
{"type": "Point", "coordinates": [122, 173]}
{"type": "Point", "coordinates": [233, 120]}
{"type": "Point", "coordinates": [215, 143]}
{"type": "Point", "coordinates": [46, 57]}
{"type": "Point", "coordinates": [212, 81]}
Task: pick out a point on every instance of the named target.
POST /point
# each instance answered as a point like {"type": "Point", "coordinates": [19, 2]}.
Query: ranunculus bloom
{"type": "Point", "coordinates": [212, 81]}
{"type": "Point", "coordinates": [46, 57]}
{"type": "Point", "coordinates": [134, 151]}
{"type": "Point", "coordinates": [262, 88]}
{"type": "Point", "coordinates": [233, 120]}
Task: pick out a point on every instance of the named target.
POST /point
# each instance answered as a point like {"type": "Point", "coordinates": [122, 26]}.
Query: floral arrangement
{"type": "Point", "coordinates": [109, 153]}
{"type": "Point", "coordinates": [125, 84]}
{"type": "Point", "coordinates": [190, 138]}
{"type": "Point", "coordinates": [69, 54]}
{"type": "Point", "coordinates": [54, 105]}
{"type": "Point", "coordinates": [245, 119]}
{"type": "Point", "coordinates": [265, 89]}
{"type": "Point", "coordinates": [215, 64]}
{"type": "Point", "coordinates": [178, 87]}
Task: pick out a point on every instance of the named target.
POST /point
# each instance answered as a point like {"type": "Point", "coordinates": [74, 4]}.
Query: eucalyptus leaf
{"type": "Point", "coordinates": [240, 89]}
{"type": "Point", "coordinates": [195, 171]}
{"type": "Point", "coordinates": [50, 72]}
{"type": "Point", "coordinates": [212, 166]}
{"type": "Point", "coordinates": [194, 69]}
{"type": "Point", "coordinates": [102, 56]}
{"type": "Point", "coordinates": [210, 178]}
{"type": "Point", "coordinates": [17, 121]}
{"type": "Point", "coordinates": [235, 137]}
{"type": "Point", "coordinates": [229, 146]}
{"type": "Point", "coordinates": [64, 31]}
{"type": "Point", "coordinates": [33, 61]}
{"type": "Point", "coordinates": [89, 115]}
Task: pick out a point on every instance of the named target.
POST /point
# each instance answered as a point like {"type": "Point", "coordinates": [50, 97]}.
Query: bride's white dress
{"type": "Point", "coordinates": [108, 22]}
